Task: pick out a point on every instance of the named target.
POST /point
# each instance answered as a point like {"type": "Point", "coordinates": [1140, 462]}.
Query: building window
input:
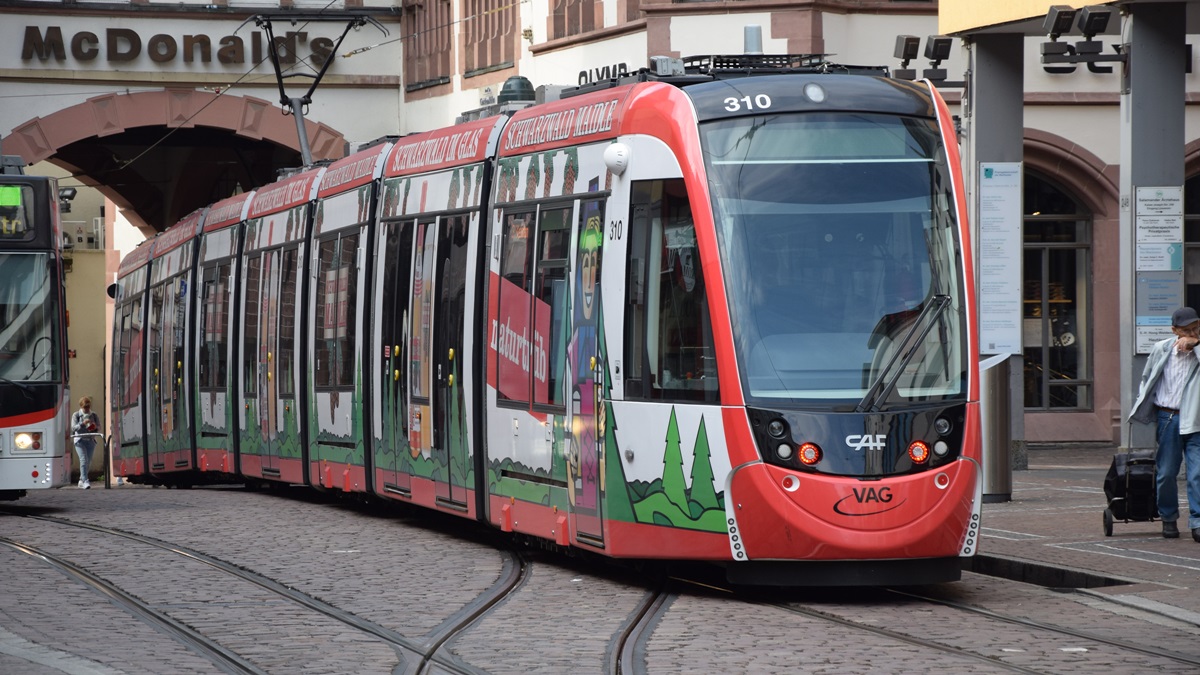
{"type": "Point", "coordinates": [1191, 239]}
{"type": "Point", "coordinates": [428, 43]}
{"type": "Point", "coordinates": [572, 17]}
{"type": "Point", "coordinates": [1057, 298]}
{"type": "Point", "coordinates": [489, 27]}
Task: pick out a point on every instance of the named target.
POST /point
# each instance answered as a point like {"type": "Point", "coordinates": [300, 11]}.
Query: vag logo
{"type": "Point", "coordinates": [868, 441]}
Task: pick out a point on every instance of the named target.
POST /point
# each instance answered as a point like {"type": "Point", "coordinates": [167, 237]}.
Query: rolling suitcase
{"type": "Point", "coordinates": [1129, 488]}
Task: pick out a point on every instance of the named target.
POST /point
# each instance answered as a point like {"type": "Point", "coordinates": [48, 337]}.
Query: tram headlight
{"type": "Point", "coordinates": [942, 426]}
{"type": "Point", "coordinates": [25, 440]}
{"type": "Point", "coordinates": [777, 429]}
{"type": "Point", "coordinates": [784, 451]}
{"type": "Point", "coordinates": [940, 448]}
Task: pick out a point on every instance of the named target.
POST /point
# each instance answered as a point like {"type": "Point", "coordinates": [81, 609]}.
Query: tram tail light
{"type": "Point", "coordinates": [809, 453]}
{"type": "Point", "coordinates": [918, 452]}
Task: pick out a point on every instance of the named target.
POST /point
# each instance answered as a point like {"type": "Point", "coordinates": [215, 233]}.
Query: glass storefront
{"type": "Point", "coordinates": [1057, 299]}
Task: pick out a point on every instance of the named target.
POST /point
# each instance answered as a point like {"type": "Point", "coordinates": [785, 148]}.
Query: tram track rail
{"type": "Point", "coordinates": [623, 653]}
{"type": "Point", "coordinates": [224, 659]}
{"type": "Point", "coordinates": [1042, 626]}
{"type": "Point", "coordinates": [428, 651]}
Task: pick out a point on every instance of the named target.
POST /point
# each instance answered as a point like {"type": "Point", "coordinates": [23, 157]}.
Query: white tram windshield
{"type": "Point", "coordinates": [28, 323]}
{"type": "Point", "coordinates": [841, 256]}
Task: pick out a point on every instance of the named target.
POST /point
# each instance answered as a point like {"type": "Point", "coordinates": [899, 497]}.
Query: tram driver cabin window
{"type": "Point", "coordinates": [15, 219]}
{"type": "Point", "coordinates": [668, 330]}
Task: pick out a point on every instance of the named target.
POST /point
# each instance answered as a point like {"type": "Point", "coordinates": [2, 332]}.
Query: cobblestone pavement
{"type": "Point", "coordinates": [413, 574]}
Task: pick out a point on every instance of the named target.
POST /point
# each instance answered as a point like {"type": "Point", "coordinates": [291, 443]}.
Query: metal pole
{"type": "Point", "coordinates": [297, 106]}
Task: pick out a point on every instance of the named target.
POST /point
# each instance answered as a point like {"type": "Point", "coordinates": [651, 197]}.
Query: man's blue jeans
{"type": "Point", "coordinates": [1172, 448]}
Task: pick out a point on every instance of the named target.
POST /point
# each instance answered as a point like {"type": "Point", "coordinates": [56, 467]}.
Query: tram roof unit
{"type": "Point", "coordinates": [708, 68]}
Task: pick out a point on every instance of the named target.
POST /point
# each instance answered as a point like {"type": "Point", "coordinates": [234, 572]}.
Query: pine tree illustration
{"type": "Point", "coordinates": [673, 483]}
{"type": "Point", "coordinates": [703, 492]}
{"type": "Point", "coordinates": [617, 502]}
{"type": "Point", "coordinates": [532, 177]}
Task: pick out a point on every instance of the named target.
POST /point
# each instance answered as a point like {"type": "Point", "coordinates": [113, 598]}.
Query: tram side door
{"type": "Point", "coordinates": [159, 388]}
{"type": "Point", "coordinates": [177, 439]}
{"type": "Point", "coordinates": [268, 358]}
{"type": "Point", "coordinates": [393, 457]}
{"type": "Point", "coordinates": [587, 396]}
{"type": "Point", "coordinates": [450, 440]}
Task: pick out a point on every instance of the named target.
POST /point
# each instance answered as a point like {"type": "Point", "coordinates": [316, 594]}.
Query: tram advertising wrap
{"type": "Point", "coordinates": [723, 316]}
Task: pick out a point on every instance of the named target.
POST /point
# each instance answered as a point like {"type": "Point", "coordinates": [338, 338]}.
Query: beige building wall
{"type": "Point", "coordinates": [86, 333]}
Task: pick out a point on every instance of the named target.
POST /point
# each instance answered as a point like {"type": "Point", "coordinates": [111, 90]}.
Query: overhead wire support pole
{"type": "Point", "coordinates": [291, 104]}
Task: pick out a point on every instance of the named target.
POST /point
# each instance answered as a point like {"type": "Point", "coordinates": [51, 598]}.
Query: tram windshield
{"type": "Point", "coordinates": [28, 319]}
{"type": "Point", "coordinates": [840, 252]}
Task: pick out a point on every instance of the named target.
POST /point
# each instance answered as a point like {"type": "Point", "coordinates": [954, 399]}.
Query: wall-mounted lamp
{"type": "Point", "coordinates": [65, 195]}
{"type": "Point", "coordinates": [937, 49]}
{"type": "Point", "coordinates": [1091, 21]}
{"type": "Point", "coordinates": [907, 48]}
{"type": "Point", "coordinates": [1058, 21]}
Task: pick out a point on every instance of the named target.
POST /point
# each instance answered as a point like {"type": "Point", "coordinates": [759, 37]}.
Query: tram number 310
{"type": "Point", "coordinates": [756, 102]}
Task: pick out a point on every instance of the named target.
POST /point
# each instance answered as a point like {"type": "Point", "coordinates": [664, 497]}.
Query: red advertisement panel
{"type": "Point", "coordinates": [227, 212]}
{"type": "Point", "coordinates": [514, 349]}
{"type": "Point", "coordinates": [354, 171]}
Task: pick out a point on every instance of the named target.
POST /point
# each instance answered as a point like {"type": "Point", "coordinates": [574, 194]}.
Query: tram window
{"type": "Point", "coordinates": [154, 338]}
{"type": "Point", "coordinates": [550, 306]}
{"type": "Point", "coordinates": [213, 350]}
{"type": "Point", "coordinates": [15, 219]}
{"type": "Point", "coordinates": [668, 331]}
{"type": "Point", "coordinates": [421, 328]}
{"type": "Point", "coordinates": [172, 349]}
{"type": "Point", "coordinates": [511, 329]}
{"type": "Point", "coordinates": [335, 311]}
{"type": "Point", "coordinates": [250, 335]}
{"type": "Point", "coordinates": [287, 324]}
{"type": "Point", "coordinates": [131, 348]}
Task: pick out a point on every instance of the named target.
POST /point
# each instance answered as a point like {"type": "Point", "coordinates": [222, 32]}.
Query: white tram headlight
{"type": "Point", "coordinates": [940, 448]}
{"type": "Point", "coordinates": [24, 440]}
{"type": "Point", "coordinates": [784, 451]}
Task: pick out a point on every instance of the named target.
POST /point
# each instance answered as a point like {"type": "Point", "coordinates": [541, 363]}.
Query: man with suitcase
{"type": "Point", "coordinates": [1170, 396]}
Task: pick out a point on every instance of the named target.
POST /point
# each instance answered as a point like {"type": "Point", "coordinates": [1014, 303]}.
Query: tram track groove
{"type": "Point", "coordinates": [512, 577]}
{"type": "Point", "coordinates": [623, 652]}
{"type": "Point", "coordinates": [426, 650]}
{"type": "Point", "coordinates": [225, 659]}
{"type": "Point", "coordinates": [1062, 630]}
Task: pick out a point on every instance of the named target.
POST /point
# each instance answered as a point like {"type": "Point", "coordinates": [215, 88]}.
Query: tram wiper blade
{"type": "Point", "coordinates": [19, 385]}
{"type": "Point", "coordinates": [883, 386]}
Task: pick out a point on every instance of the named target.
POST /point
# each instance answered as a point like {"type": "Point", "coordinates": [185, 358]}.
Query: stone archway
{"type": "Point", "coordinates": [161, 154]}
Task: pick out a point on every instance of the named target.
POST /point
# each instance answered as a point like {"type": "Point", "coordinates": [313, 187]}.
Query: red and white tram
{"type": "Point", "coordinates": [725, 315]}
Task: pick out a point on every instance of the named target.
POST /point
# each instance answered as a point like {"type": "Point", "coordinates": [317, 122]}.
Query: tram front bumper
{"type": "Point", "coordinates": [780, 514]}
